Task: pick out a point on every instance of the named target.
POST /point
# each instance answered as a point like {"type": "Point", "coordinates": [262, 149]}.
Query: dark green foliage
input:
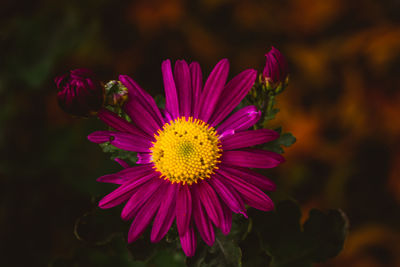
{"type": "Point", "coordinates": [285, 139]}
{"type": "Point", "coordinates": [225, 251]}
{"type": "Point", "coordinates": [287, 243]}
{"type": "Point", "coordinates": [98, 227]}
{"type": "Point", "coordinates": [328, 232]}
{"type": "Point", "coordinates": [104, 231]}
{"type": "Point", "coordinates": [119, 153]}
{"type": "Point", "coordinates": [276, 239]}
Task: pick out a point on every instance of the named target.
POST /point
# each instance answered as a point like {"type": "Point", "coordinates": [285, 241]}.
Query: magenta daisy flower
{"type": "Point", "coordinates": [194, 160]}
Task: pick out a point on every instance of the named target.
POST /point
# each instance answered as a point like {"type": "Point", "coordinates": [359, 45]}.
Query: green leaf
{"type": "Point", "coordinates": [226, 250]}
{"type": "Point", "coordinates": [328, 243]}
{"type": "Point", "coordinates": [278, 130]}
{"type": "Point", "coordinates": [119, 153]}
{"type": "Point", "coordinates": [230, 250]}
{"type": "Point", "coordinates": [168, 258]}
{"type": "Point", "coordinates": [282, 238]}
{"type": "Point", "coordinates": [163, 253]}
{"type": "Point", "coordinates": [286, 139]}
{"type": "Point", "coordinates": [98, 228]}
{"type": "Point", "coordinates": [253, 255]}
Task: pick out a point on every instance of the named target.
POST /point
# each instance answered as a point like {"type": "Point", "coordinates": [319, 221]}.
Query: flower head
{"type": "Point", "coordinates": [194, 158]}
{"type": "Point", "coordinates": [276, 69]}
{"type": "Point", "coordinates": [80, 93]}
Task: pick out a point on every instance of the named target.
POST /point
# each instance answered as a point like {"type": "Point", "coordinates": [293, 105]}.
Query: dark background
{"type": "Point", "coordinates": [342, 104]}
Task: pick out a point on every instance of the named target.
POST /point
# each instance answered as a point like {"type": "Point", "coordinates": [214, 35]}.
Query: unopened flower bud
{"type": "Point", "coordinates": [80, 92]}
{"type": "Point", "coordinates": [116, 93]}
{"type": "Point", "coordinates": [275, 74]}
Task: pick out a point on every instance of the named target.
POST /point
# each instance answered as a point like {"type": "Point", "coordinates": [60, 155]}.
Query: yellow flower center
{"type": "Point", "coordinates": [186, 150]}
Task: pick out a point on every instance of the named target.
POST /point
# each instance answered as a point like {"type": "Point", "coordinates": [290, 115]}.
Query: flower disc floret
{"type": "Point", "coordinates": [186, 150]}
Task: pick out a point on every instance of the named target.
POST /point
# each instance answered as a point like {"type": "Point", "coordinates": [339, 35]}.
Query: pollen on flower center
{"type": "Point", "coordinates": [186, 150]}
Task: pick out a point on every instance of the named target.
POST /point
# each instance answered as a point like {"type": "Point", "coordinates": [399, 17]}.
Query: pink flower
{"type": "Point", "coordinates": [194, 157]}
{"type": "Point", "coordinates": [276, 68]}
{"type": "Point", "coordinates": [80, 93]}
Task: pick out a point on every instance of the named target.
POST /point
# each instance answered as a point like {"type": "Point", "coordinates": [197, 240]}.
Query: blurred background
{"type": "Point", "coordinates": [342, 104]}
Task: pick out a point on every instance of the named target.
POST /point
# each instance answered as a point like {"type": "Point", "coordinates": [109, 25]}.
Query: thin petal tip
{"type": "Point", "coordinates": [224, 62]}
{"type": "Point", "coordinates": [166, 62]}
{"type": "Point", "coordinates": [103, 204]}
{"type": "Point", "coordinates": [99, 137]}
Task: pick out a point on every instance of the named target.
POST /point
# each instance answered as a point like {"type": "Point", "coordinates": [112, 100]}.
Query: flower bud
{"type": "Point", "coordinates": [116, 93]}
{"type": "Point", "coordinates": [275, 74]}
{"type": "Point", "coordinates": [80, 92]}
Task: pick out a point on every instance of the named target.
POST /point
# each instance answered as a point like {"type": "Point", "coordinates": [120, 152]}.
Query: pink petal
{"type": "Point", "coordinates": [125, 141]}
{"type": "Point", "coordinates": [213, 89]}
{"type": "Point", "coordinates": [149, 104]}
{"type": "Point", "coordinates": [250, 176]}
{"type": "Point", "coordinates": [228, 194]}
{"type": "Point", "coordinates": [171, 96]}
{"type": "Point", "coordinates": [122, 163]}
{"type": "Point", "coordinates": [184, 87]}
{"type": "Point", "coordinates": [99, 137]}
{"type": "Point", "coordinates": [141, 107]}
{"type": "Point", "coordinates": [210, 201]}
{"type": "Point", "coordinates": [226, 222]}
{"type": "Point", "coordinates": [252, 158]}
{"type": "Point", "coordinates": [232, 94]}
{"type": "Point", "coordinates": [124, 192]}
{"type": "Point", "coordinates": [143, 158]}
{"type": "Point", "coordinates": [248, 138]}
{"type": "Point", "coordinates": [145, 215]}
{"type": "Point", "coordinates": [119, 124]}
{"type": "Point", "coordinates": [189, 241]}
{"type": "Point", "coordinates": [253, 196]}
{"type": "Point", "coordinates": [183, 208]}
{"type": "Point", "coordinates": [197, 83]}
{"type": "Point", "coordinates": [127, 175]}
{"type": "Point", "coordinates": [140, 197]}
{"type": "Point", "coordinates": [240, 120]}
{"type": "Point", "coordinates": [166, 214]}
{"type": "Point", "coordinates": [203, 223]}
